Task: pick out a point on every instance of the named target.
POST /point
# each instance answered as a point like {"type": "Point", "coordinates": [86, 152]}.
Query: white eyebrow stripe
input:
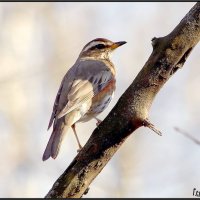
{"type": "Point", "coordinates": [92, 44]}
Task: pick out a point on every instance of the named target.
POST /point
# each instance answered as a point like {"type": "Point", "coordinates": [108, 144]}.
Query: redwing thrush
{"type": "Point", "coordinates": [85, 91]}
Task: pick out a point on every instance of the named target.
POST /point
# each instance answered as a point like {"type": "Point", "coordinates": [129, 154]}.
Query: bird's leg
{"type": "Point", "coordinates": [79, 144]}
{"type": "Point", "coordinates": [98, 121]}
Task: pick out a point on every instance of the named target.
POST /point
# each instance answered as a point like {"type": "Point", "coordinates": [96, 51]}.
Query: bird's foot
{"type": "Point", "coordinates": [79, 149]}
{"type": "Point", "coordinates": [98, 121]}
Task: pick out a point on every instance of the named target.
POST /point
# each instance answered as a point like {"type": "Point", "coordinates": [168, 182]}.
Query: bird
{"type": "Point", "coordinates": [85, 91]}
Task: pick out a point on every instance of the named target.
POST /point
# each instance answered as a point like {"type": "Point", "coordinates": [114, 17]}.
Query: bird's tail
{"type": "Point", "coordinates": [53, 146]}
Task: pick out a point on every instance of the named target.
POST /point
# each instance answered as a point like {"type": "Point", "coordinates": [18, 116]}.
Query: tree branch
{"type": "Point", "coordinates": [131, 111]}
{"type": "Point", "coordinates": [187, 135]}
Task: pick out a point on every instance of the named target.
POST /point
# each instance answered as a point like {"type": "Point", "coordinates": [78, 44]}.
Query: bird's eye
{"type": "Point", "coordinates": [100, 46]}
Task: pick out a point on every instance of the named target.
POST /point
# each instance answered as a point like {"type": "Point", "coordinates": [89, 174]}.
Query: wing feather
{"type": "Point", "coordinates": [80, 84]}
{"type": "Point", "coordinates": [61, 97]}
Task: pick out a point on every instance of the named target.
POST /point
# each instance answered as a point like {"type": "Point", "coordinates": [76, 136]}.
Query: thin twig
{"type": "Point", "coordinates": [148, 124]}
{"type": "Point", "coordinates": [187, 135]}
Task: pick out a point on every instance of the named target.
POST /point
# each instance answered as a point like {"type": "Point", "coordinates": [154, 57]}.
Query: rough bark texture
{"type": "Point", "coordinates": [131, 111]}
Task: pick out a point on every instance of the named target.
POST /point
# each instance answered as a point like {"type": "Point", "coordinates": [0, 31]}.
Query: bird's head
{"type": "Point", "coordinates": [99, 48]}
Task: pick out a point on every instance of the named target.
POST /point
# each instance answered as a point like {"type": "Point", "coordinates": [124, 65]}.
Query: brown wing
{"type": "Point", "coordinates": [91, 77]}
{"type": "Point", "coordinates": [82, 82]}
{"type": "Point", "coordinates": [61, 97]}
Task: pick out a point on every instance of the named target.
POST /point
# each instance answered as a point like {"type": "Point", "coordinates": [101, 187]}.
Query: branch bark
{"type": "Point", "coordinates": [131, 111]}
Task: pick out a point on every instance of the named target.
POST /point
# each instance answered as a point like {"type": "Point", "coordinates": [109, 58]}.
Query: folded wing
{"type": "Point", "coordinates": [89, 78]}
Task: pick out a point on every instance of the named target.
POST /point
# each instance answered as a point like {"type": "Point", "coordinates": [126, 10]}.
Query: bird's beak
{"type": "Point", "coordinates": [117, 44]}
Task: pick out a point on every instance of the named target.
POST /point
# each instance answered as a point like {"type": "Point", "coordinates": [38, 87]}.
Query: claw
{"type": "Point", "coordinates": [78, 150]}
{"type": "Point", "coordinates": [98, 121]}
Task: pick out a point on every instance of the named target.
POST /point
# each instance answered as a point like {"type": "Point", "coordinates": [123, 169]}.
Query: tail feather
{"type": "Point", "coordinates": [53, 146]}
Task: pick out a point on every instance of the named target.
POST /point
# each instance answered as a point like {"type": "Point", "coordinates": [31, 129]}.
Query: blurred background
{"type": "Point", "coordinates": [39, 42]}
